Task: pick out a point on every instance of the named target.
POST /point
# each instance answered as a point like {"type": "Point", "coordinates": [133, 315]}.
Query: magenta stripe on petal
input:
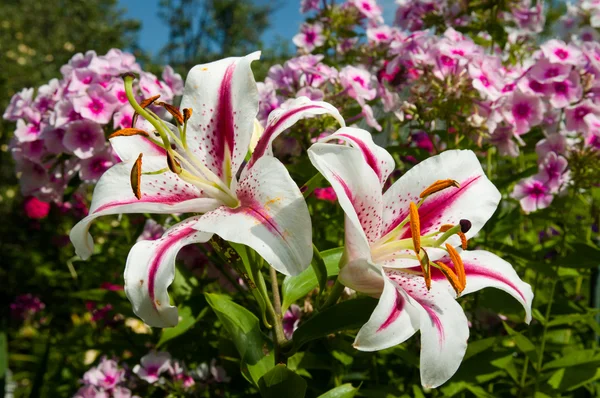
{"type": "Point", "coordinates": [395, 313]}
{"type": "Point", "coordinates": [224, 130]}
{"type": "Point", "coordinates": [168, 241]}
{"type": "Point", "coordinates": [435, 320]}
{"type": "Point", "coordinates": [434, 207]}
{"type": "Point", "coordinates": [346, 188]}
{"type": "Point", "coordinates": [369, 156]}
{"type": "Point", "coordinates": [254, 209]}
{"type": "Point", "coordinates": [265, 139]}
{"type": "Point", "coordinates": [472, 270]}
{"type": "Point", "coordinates": [165, 200]}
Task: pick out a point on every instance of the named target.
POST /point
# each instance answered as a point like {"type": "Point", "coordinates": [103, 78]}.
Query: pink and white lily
{"type": "Point", "coordinates": [197, 166]}
{"type": "Point", "coordinates": [404, 245]}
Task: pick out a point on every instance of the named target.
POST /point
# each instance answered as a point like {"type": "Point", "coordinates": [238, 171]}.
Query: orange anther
{"type": "Point", "coordinates": [437, 186]}
{"type": "Point", "coordinates": [446, 227]}
{"type": "Point", "coordinates": [127, 132]}
{"type": "Point", "coordinates": [136, 177]}
{"type": "Point", "coordinates": [459, 267]}
{"type": "Point", "coordinates": [464, 243]}
{"type": "Point", "coordinates": [174, 111]}
{"type": "Point", "coordinates": [149, 101]}
{"type": "Point", "coordinates": [426, 268]}
{"type": "Point", "coordinates": [451, 277]}
{"type": "Point", "coordinates": [187, 114]}
{"type": "Point", "coordinates": [415, 227]}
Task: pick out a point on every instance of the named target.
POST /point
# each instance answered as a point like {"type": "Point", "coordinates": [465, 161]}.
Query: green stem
{"type": "Point", "coordinates": [334, 295]}
{"type": "Point", "coordinates": [274, 310]}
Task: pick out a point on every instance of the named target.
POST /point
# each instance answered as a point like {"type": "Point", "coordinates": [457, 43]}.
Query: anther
{"type": "Point", "coordinates": [426, 268]}
{"type": "Point", "coordinates": [127, 132]}
{"type": "Point", "coordinates": [149, 101]}
{"type": "Point", "coordinates": [187, 114]}
{"type": "Point", "coordinates": [173, 111]}
{"type": "Point", "coordinates": [459, 267]}
{"type": "Point", "coordinates": [415, 227]}
{"type": "Point", "coordinates": [451, 277]}
{"type": "Point", "coordinates": [446, 227]}
{"type": "Point", "coordinates": [136, 177]}
{"type": "Point", "coordinates": [437, 186]}
{"type": "Point", "coordinates": [173, 164]}
{"type": "Point", "coordinates": [464, 243]}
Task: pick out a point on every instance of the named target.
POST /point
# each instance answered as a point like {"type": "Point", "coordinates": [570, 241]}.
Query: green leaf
{"type": "Point", "coordinates": [320, 269]}
{"type": "Point", "coordinates": [186, 321]}
{"type": "Point", "coordinates": [282, 382]}
{"type": "Point", "coordinates": [567, 379]}
{"type": "Point", "coordinates": [296, 287]}
{"type": "Point", "coordinates": [244, 328]}
{"type": "Point", "coordinates": [347, 315]}
{"type": "Point", "coordinates": [479, 346]}
{"type": "Point", "coordinates": [343, 391]}
{"type": "Point", "coordinates": [524, 344]}
{"type": "Point", "coordinates": [3, 354]}
{"type": "Point", "coordinates": [582, 255]}
{"type": "Point", "coordinates": [590, 357]}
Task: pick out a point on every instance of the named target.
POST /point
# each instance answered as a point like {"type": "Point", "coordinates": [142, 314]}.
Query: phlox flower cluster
{"type": "Point", "coordinates": [61, 127]}
{"type": "Point", "coordinates": [26, 306]}
{"type": "Point", "coordinates": [159, 369]}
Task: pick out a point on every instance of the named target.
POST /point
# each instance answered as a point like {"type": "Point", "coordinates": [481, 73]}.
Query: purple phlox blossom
{"type": "Point", "coordinates": [173, 80]}
{"type": "Point", "coordinates": [150, 85]}
{"type": "Point", "coordinates": [124, 117]}
{"type": "Point", "coordinates": [19, 105]}
{"type": "Point", "coordinates": [152, 231]}
{"type": "Point", "coordinates": [529, 18]}
{"type": "Point", "coordinates": [218, 372]}
{"type": "Point", "coordinates": [310, 37]}
{"type": "Point", "coordinates": [566, 92]}
{"type": "Point", "coordinates": [369, 9]}
{"type": "Point", "coordinates": [26, 132]}
{"type": "Point", "coordinates": [552, 143]}
{"type": "Point", "coordinates": [152, 365]}
{"type": "Point", "coordinates": [545, 71]}
{"type": "Point", "coordinates": [380, 34]}
{"type": "Point", "coordinates": [91, 391]}
{"type": "Point", "coordinates": [593, 137]}
{"type": "Point", "coordinates": [369, 116]}
{"type": "Point", "coordinates": [346, 44]}
{"type": "Point", "coordinates": [327, 194]}
{"type": "Point", "coordinates": [523, 111]}
{"type": "Point", "coordinates": [93, 167]}
{"type": "Point", "coordinates": [291, 319]}
{"type": "Point", "coordinates": [25, 306]}
{"type": "Point", "coordinates": [553, 169]}
{"type": "Point", "coordinates": [575, 116]}
{"type": "Point", "coordinates": [533, 194]}
{"type": "Point", "coordinates": [105, 376]}
{"type": "Point", "coordinates": [486, 78]}
{"type": "Point", "coordinates": [559, 52]}
{"type": "Point", "coordinates": [309, 5]}
{"type": "Point", "coordinates": [505, 140]}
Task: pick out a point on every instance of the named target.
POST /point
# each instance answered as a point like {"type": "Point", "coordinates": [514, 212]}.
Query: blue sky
{"type": "Point", "coordinates": [284, 23]}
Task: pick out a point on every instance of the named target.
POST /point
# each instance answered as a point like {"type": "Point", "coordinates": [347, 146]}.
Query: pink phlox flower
{"type": "Point", "coordinates": [309, 5]}
{"type": "Point", "coordinates": [370, 119]}
{"type": "Point", "coordinates": [96, 104]}
{"type": "Point", "coordinates": [575, 116]}
{"type": "Point", "coordinates": [346, 44]}
{"type": "Point", "coordinates": [545, 71]}
{"type": "Point", "coordinates": [486, 79]}
{"type": "Point", "coordinates": [91, 391]}
{"type": "Point", "coordinates": [505, 140]}
{"type": "Point", "coordinates": [84, 138]}
{"type": "Point", "coordinates": [35, 208]}
{"type": "Point", "coordinates": [179, 373]}
{"type": "Point", "coordinates": [218, 372]}
{"type": "Point", "coordinates": [327, 194]}
{"type": "Point", "coordinates": [150, 85]}
{"type": "Point", "coordinates": [357, 83]}
{"type": "Point", "coordinates": [152, 365]}
{"type": "Point", "coordinates": [559, 52]}
{"type": "Point", "coordinates": [25, 306]}
{"type": "Point", "coordinates": [19, 105]}
{"type": "Point", "coordinates": [380, 34]}
{"type": "Point", "coordinates": [93, 167]}
{"type": "Point", "coordinates": [553, 169]}
{"type": "Point", "coordinates": [77, 61]}
{"type": "Point", "coordinates": [552, 143]}
{"type": "Point", "coordinates": [106, 375]}
{"type": "Point", "coordinates": [533, 194]}
{"type": "Point", "coordinates": [369, 9]}
{"type": "Point", "coordinates": [310, 37]}
{"type": "Point", "coordinates": [173, 80]}
{"type": "Point", "coordinates": [533, 87]}
{"type": "Point", "coordinates": [27, 131]}
{"type": "Point", "coordinates": [566, 92]}
{"type": "Point", "coordinates": [313, 93]}
{"type": "Point", "coordinates": [152, 231]}
{"type": "Point", "coordinates": [291, 320]}
{"type": "Point", "coordinates": [123, 118]}
{"type": "Point", "coordinates": [524, 111]}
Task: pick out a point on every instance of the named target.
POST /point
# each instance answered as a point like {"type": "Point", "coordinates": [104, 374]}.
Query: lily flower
{"type": "Point", "coordinates": [196, 166]}
{"type": "Point", "coordinates": [407, 246]}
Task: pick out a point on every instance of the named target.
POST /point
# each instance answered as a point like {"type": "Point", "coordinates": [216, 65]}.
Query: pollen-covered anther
{"type": "Point", "coordinates": [149, 101]}
{"type": "Point", "coordinates": [415, 227]}
{"type": "Point", "coordinates": [446, 227]}
{"type": "Point", "coordinates": [187, 114]}
{"type": "Point", "coordinates": [173, 164]}
{"type": "Point", "coordinates": [451, 277]}
{"type": "Point", "coordinates": [136, 177]}
{"type": "Point", "coordinates": [127, 132]}
{"type": "Point", "coordinates": [426, 268]}
{"type": "Point", "coordinates": [437, 186]}
{"type": "Point", "coordinates": [464, 242]}
{"type": "Point", "coordinates": [174, 111]}
{"type": "Point", "coordinates": [459, 267]}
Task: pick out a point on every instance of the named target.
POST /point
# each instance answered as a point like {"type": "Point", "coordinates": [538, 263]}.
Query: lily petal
{"type": "Point", "coordinates": [272, 217]}
{"type": "Point", "coordinates": [485, 269]}
{"type": "Point", "coordinates": [224, 102]}
{"type": "Point", "coordinates": [282, 119]}
{"type": "Point", "coordinates": [394, 320]}
{"type": "Point", "coordinates": [443, 324]}
{"type": "Point", "coordinates": [377, 157]}
{"type": "Point", "coordinates": [128, 148]}
{"type": "Point", "coordinates": [448, 206]}
{"type": "Point", "coordinates": [357, 188]}
{"type": "Point", "coordinates": [150, 270]}
{"type": "Point", "coordinates": [162, 193]}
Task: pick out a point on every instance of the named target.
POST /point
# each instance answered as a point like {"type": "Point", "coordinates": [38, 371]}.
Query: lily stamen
{"type": "Point", "coordinates": [451, 277]}
{"type": "Point", "coordinates": [437, 186]}
{"type": "Point", "coordinates": [415, 227]}
{"type": "Point", "coordinates": [136, 177]}
{"type": "Point", "coordinates": [426, 268]}
{"type": "Point", "coordinates": [458, 264]}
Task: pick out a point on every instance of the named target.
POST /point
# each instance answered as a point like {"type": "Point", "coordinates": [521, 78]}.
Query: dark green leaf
{"type": "Point", "coordinates": [282, 382]}
{"type": "Point", "coordinates": [524, 344]}
{"type": "Point", "coordinates": [343, 391]}
{"type": "Point", "coordinates": [347, 315]}
{"type": "Point", "coordinates": [581, 256]}
{"type": "Point", "coordinates": [244, 328]}
{"type": "Point", "coordinates": [320, 269]}
{"type": "Point", "coordinates": [3, 354]}
{"type": "Point", "coordinates": [590, 357]}
{"type": "Point", "coordinates": [296, 287]}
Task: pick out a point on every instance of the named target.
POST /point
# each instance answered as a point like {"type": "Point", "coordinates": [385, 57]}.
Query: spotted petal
{"type": "Point", "coordinates": [377, 157]}
{"type": "Point", "coordinates": [224, 102]}
{"type": "Point", "coordinates": [443, 324]}
{"type": "Point", "coordinates": [162, 193]}
{"type": "Point", "coordinates": [150, 270]}
{"type": "Point", "coordinates": [282, 119]}
{"type": "Point", "coordinates": [475, 200]}
{"type": "Point", "coordinates": [485, 269]}
{"type": "Point", "coordinates": [272, 217]}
